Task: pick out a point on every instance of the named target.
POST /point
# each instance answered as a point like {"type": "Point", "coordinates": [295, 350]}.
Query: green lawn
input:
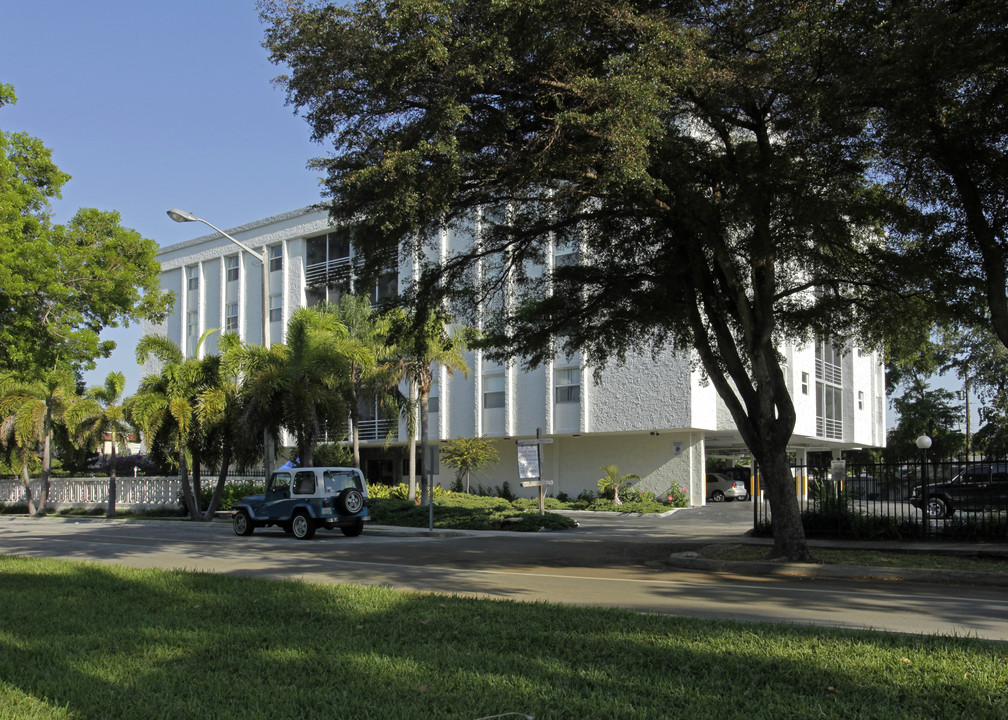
{"type": "Point", "coordinates": [90, 641]}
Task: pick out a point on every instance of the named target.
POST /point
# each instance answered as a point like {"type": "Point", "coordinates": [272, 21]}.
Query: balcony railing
{"type": "Point", "coordinates": [377, 429]}
{"type": "Point", "coordinates": [327, 273]}
{"type": "Point", "coordinates": [828, 372]}
{"type": "Point", "coordinates": [828, 428]}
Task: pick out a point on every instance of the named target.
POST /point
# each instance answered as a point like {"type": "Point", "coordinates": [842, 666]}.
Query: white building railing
{"type": "Point", "coordinates": [134, 493]}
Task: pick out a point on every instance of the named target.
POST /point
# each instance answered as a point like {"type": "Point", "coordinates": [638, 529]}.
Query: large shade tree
{"type": "Point", "coordinates": [686, 150]}
{"type": "Point", "coordinates": [60, 285]}
{"type": "Point", "coordinates": [934, 77]}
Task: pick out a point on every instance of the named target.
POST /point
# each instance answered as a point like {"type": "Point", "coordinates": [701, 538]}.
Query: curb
{"type": "Point", "coordinates": [845, 572]}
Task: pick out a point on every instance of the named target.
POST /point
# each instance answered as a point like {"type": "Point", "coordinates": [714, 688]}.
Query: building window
{"type": "Point", "coordinates": [231, 317]}
{"type": "Point", "coordinates": [434, 398]}
{"type": "Point", "coordinates": [804, 383]}
{"type": "Point", "coordinates": [565, 254]}
{"type": "Point", "coordinates": [327, 261]}
{"type": "Point", "coordinates": [275, 258]}
{"type": "Point", "coordinates": [275, 309]}
{"type": "Point", "coordinates": [231, 263]}
{"type": "Point", "coordinates": [829, 391]}
{"type": "Point", "coordinates": [387, 287]}
{"type": "Point", "coordinates": [192, 322]}
{"type": "Point", "coordinates": [860, 400]}
{"type": "Point", "coordinates": [567, 384]}
{"type": "Point", "coordinates": [192, 278]}
{"type": "Point", "coordinates": [493, 391]}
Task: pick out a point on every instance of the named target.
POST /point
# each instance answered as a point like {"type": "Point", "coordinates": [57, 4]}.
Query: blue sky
{"type": "Point", "coordinates": [153, 105]}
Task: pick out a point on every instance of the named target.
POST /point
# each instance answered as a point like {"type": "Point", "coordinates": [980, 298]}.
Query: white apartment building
{"type": "Point", "coordinates": [656, 418]}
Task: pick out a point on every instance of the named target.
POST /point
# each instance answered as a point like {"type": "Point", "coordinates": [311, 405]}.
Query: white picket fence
{"type": "Point", "coordinates": [132, 493]}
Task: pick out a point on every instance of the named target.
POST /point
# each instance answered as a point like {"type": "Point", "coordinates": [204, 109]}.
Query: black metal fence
{"type": "Point", "coordinates": [927, 499]}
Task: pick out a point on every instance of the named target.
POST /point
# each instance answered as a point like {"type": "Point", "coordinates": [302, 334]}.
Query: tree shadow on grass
{"type": "Point", "coordinates": [97, 642]}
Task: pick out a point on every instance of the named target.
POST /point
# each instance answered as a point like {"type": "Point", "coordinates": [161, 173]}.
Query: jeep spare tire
{"type": "Point", "coordinates": [350, 501]}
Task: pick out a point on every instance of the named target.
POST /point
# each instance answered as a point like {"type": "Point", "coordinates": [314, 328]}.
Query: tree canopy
{"type": "Point", "coordinates": [60, 285]}
{"type": "Point", "coordinates": [933, 77]}
{"type": "Point", "coordinates": [687, 152]}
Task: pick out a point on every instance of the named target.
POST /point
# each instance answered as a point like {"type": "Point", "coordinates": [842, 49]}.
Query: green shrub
{"type": "Point", "coordinates": [465, 512]}
{"type": "Point", "coordinates": [233, 492]}
{"type": "Point", "coordinates": [400, 491]}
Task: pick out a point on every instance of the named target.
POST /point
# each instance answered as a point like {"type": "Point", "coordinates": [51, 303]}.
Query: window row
{"type": "Point", "coordinates": [231, 316]}
{"type": "Point", "coordinates": [566, 388]}
{"type": "Point", "coordinates": [275, 263]}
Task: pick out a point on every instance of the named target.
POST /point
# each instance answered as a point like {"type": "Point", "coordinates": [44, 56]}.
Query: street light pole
{"type": "Point", "coordinates": [923, 443]}
{"type": "Point", "coordinates": [183, 216]}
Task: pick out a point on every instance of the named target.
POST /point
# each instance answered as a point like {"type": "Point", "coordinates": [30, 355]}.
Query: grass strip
{"type": "Point", "coordinates": [871, 558]}
{"type": "Point", "coordinates": [91, 641]}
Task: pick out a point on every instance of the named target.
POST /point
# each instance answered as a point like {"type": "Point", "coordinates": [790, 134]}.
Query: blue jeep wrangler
{"type": "Point", "coordinates": [301, 500]}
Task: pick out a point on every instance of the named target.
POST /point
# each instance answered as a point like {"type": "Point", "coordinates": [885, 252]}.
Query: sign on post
{"type": "Point", "coordinates": [529, 466]}
{"type": "Point", "coordinates": [528, 462]}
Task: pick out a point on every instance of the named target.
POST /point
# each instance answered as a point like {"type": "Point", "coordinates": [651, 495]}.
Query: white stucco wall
{"type": "Point", "coordinates": [574, 464]}
{"type": "Point", "coordinates": [643, 393]}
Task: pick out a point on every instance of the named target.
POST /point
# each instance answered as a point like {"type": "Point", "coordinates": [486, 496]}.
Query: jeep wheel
{"type": "Point", "coordinates": [936, 508]}
{"type": "Point", "coordinates": [242, 523]}
{"type": "Point", "coordinates": [303, 526]}
{"type": "Point", "coordinates": [353, 530]}
{"type": "Point", "coordinates": [350, 502]}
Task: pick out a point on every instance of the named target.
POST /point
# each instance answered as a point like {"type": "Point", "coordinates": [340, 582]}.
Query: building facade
{"type": "Point", "coordinates": [653, 416]}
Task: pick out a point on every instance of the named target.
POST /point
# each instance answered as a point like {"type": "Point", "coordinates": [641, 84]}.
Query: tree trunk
{"type": "Point", "coordinates": [111, 509]}
{"type": "Point", "coordinates": [306, 453]}
{"type": "Point", "coordinates": [221, 481]}
{"type": "Point", "coordinates": [785, 514]}
{"type": "Point", "coordinates": [426, 493]}
{"type": "Point", "coordinates": [43, 499]}
{"type": "Point", "coordinates": [197, 484]}
{"type": "Point", "coordinates": [355, 428]}
{"type": "Point", "coordinates": [412, 484]}
{"type": "Point", "coordinates": [25, 480]}
{"type": "Point", "coordinates": [187, 493]}
{"type": "Point", "coordinates": [269, 454]}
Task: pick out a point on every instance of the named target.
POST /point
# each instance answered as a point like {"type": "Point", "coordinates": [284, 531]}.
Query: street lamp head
{"type": "Point", "coordinates": [182, 216]}
{"type": "Point", "coordinates": [923, 442]}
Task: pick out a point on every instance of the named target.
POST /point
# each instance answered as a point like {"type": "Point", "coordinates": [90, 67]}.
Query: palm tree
{"type": "Point", "coordinates": [296, 385]}
{"type": "Point", "coordinates": [98, 414]}
{"type": "Point", "coordinates": [614, 481]}
{"type": "Point", "coordinates": [164, 407]}
{"type": "Point", "coordinates": [28, 411]}
{"type": "Point", "coordinates": [219, 409]}
{"type": "Point", "coordinates": [423, 341]}
{"type": "Point", "coordinates": [372, 375]}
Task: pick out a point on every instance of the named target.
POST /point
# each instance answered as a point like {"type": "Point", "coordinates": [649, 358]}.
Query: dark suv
{"type": "Point", "coordinates": [978, 488]}
{"type": "Point", "coordinates": [301, 500]}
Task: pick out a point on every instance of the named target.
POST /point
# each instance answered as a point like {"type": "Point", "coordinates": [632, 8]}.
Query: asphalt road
{"type": "Point", "coordinates": [609, 561]}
